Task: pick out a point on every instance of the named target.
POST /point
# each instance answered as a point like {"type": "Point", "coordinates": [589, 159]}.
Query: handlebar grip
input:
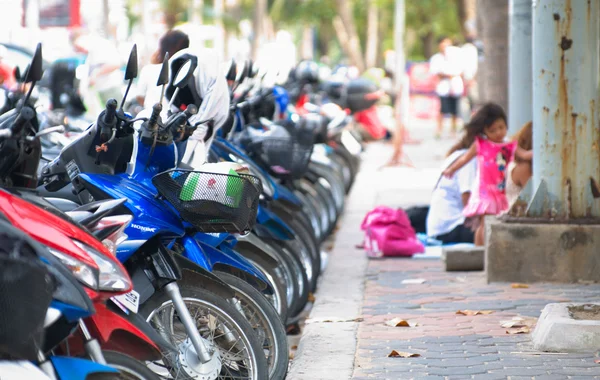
{"type": "Point", "coordinates": [111, 111]}
{"type": "Point", "coordinates": [191, 110]}
{"type": "Point", "coordinates": [155, 113]}
{"type": "Point", "coordinates": [25, 115]}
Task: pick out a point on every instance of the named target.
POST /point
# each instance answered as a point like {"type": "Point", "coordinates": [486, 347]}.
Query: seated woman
{"type": "Point", "coordinates": [445, 220]}
{"type": "Point", "coordinates": [518, 171]}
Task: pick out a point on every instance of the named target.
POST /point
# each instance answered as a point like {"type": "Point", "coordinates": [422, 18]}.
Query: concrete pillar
{"type": "Point", "coordinates": [520, 81]}
{"type": "Point", "coordinates": [566, 109]}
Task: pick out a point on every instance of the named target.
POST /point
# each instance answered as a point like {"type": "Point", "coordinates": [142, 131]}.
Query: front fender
{"type": "Point", "coordinates": [226, 258]}
{"type": "Point", "coordinates": [126, 333]}
{"type": "Point", "coordinates": [277, 228]}
{"type": "Point", "coordinates": [69, 368]}
{"type": "Point", "coordinates": [194, 275]}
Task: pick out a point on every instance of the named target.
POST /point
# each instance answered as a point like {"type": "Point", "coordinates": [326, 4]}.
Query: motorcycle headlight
{"type": "Point", "coordinates": [112, 278]}
{"type": "Point", "coordinates": [82, 272]}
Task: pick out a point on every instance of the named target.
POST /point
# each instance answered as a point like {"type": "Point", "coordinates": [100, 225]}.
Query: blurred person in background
{"type": "Point", "coordinates": [447, 65]}
{"type": "Point", "coordinates": [171, 42]}
{"type": "Point", "coordinates": [104, 64]}
{"type": "Point", "coordinates": [7, 70]}
{"type": "Point", "coordinates": [470, 64]}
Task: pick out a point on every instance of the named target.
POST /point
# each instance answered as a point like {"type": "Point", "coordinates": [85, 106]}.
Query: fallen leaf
{"type": "Point", "coordinates": [291, 356]}
{"type": "Point", "coordinates": [473, 312]}
{"type": "Point", "coordinates": [511, 324]}
{"type": "Point", "coordinates": [399, 322]}
{"type": "Point", "coordinates": [294, 347]}
{"type": "Point", "coordinates": [414, 281]}
{"type": "Point", "coordinates": [311, 298]}
{"type": "Point", "coordinates": [400, 354]}
{"type": "Point", "coordinates": [522, 330]}
{"type": "Point", "coordinates": [597, 361]}
{"type": "Point", "coordinates": [520, 286]}
{"type": "Point", "coordinates": [519, 322]}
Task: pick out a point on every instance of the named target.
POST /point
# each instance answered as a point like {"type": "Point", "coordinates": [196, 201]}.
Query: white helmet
{"type": "Point", "coordinates": [207, 89]}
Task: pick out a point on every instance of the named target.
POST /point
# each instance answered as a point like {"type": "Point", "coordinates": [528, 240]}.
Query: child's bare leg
{"type": "Point", "coordinates": [480, 233]}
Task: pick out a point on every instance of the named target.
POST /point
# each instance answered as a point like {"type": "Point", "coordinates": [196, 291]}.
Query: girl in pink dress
{"type": "Point", "coordinates": [488, 127]}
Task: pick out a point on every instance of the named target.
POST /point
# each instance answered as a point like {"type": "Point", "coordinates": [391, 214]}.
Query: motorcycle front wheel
{"type": "Point", "coordinates": [236, 351]}
{"type": "Point", "coordinates": [265, 321]}
{"type": "Point", "coordinates": [128, 367]}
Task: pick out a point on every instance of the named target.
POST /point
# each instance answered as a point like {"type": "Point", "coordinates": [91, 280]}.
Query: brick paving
{"type": "Point", "coordinates": [457, 346]}
{"type": "Point", "coordinates": [452, 346]}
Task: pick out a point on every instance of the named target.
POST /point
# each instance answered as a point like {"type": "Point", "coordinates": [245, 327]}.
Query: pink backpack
{"type": "Point", "coordinates": [388, 233]}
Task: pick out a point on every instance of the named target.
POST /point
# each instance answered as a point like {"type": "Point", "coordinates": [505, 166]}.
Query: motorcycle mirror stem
{"type": "Point", "coordinates": [34, 73]}
{"type": "Point", "coordinates": [131, 72]}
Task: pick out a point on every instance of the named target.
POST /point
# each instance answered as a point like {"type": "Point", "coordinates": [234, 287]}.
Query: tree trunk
{"type": "Point", "coordinates": [195, 11]}
{"type": "Point", "coordinates": [307, 48]}
{"type": "Point", "coordinates": [467, 15]}
{"type": "Point", "coordinates": [346, 26]}
{"type": "Point", "coordinates": [105, 19]}
{"type": "Point", "coordinates": [372, 35]}
{"type": "Point", "coordinates": [324, 36]}
{"type": "Point", "coordinates": [260, 12]}
{"type": "Point", "coordinates": [493, 71]}
{"type": "Point", "coordinates": [428, 44]}
{"type": "Point", "coordinates": [220, 38]}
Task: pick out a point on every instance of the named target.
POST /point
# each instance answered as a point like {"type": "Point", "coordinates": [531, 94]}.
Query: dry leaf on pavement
{"type": "Point", "coordinates": [518, 322]}
{"type": "Point", "coordinates": [399, 322]}
{"type": "Point", "coordinates": [400, 354]}
{"type": "Point", "coordinates": [521, 330]}
{"type": "Point", "coordinates": [311, 298]}
{"type": "Point", "coordinates": [474, 312]}
{"type": "Point", "coordinates": [520, 286]}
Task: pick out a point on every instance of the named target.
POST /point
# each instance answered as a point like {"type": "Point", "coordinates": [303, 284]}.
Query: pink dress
{"type": "Point", "coordinates": [490, 195]}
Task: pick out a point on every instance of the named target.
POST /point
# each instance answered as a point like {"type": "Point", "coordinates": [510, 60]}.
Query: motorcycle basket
{"type": "Point", "coordinates": [212, 202]}
{"type": "Point", "coordinates": [286, 158]}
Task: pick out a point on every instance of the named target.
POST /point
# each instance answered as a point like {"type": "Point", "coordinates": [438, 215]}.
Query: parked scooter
{"type": "Point", "coordinates": [154, 222]}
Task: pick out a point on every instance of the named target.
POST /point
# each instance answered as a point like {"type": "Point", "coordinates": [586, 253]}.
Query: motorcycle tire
{"type": "Point", "coordinates": [255, 365]}
{"type": "Point", "coordinates": [282, 271]}
{"type": "Point", "coordinates": [277, 279]}
{"type": "Point", "coordinates": [309, 190]}
{"type": "Point", "coordinates": [129, 368]}
{"type": "Point", "coordinates": [305, 238]}
{"type": "Point", "coordinates": [265, 320]}
{"type": "Point", "coordinates": [300, 276]}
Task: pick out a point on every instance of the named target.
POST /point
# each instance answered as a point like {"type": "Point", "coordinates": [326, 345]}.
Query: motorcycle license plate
{"type": "Point", "coordinates": [350, 143]}
{"type": "Point", "coordinates": [129, 300]}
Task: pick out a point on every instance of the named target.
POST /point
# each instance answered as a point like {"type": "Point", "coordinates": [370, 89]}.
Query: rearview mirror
{"type": "Point", "coordinates": [244, 73]}
{"type": "Point", "coordinates": [131, 71]}
{"type": "Point", "coordinates": [163, 77]}
{"type": "Point", "coordinates": [251, 69]}
{"type": "Point", "coordinates": [34, 73]}
{"type": "Point", "coordinates": [232, 72]}
{"type": "Point", "coordinates": [183, 75]}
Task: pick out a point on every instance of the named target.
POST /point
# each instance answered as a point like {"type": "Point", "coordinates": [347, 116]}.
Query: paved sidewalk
{"type": "Point", "coordinates": [346, 335]}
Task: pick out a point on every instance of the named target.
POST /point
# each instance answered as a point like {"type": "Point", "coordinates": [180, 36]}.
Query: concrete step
{"type": "Point", "coordinates": [463, 258]}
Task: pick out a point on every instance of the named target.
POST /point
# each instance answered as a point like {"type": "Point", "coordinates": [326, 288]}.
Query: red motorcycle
{"type": "Point", "coordinates": [115, 334]}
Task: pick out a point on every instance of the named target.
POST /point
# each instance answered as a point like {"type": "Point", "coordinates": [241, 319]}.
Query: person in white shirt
{"type": "Point", "coordinates": [147, 91]}
{"type": "Point", "coordinates": [447, 65]}
{"type": "Point", "coordinates": [445, 220]}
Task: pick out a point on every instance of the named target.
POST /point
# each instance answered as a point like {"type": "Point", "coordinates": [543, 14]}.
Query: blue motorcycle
{"type": "Point", "coordinates": [166, 229]}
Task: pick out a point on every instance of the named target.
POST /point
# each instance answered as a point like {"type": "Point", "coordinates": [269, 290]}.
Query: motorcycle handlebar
{"type": "Point", "coordinates": [111, 111]}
